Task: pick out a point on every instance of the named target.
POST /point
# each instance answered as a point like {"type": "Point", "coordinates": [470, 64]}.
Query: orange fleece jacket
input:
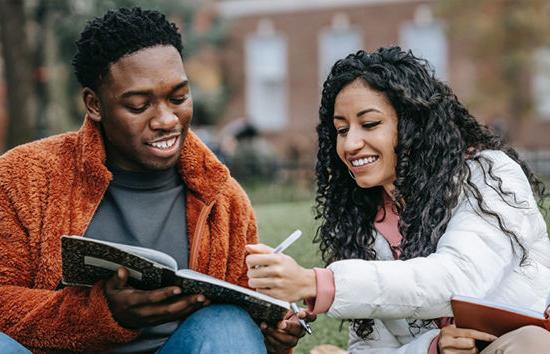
{"type": "Point", "coordinates": [52, 187]}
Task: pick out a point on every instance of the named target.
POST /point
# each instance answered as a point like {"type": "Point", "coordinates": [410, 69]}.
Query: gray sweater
{"type": "Point", "coordinates": [145, 209]}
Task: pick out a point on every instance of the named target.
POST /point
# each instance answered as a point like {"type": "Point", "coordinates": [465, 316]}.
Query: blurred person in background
{"type": "Point", "coordinates": [418, 202]}
{"type": "Point", "coordinates": [135, 174]}
{"type": "Point", "coordinates": [250, 156]}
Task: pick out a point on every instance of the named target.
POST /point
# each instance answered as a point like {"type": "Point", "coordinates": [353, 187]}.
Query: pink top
{"type": "Point", "coordinates": [387, 224]}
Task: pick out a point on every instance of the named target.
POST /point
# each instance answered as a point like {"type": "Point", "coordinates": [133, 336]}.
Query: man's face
{"type": "Point", "coordinates": [145, 108]}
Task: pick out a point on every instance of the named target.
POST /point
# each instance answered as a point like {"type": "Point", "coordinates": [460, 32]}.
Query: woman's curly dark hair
{"type": "Point", "coordinates": [119, 32]}
{"type": "Point", "coordinates": [435, 134]}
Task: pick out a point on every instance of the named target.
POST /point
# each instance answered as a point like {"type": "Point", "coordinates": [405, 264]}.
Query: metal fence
{"type": "Point", "coordinates": [538, 160]}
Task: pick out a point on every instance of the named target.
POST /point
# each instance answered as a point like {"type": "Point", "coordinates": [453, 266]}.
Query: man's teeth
{"type": "Point", "coordinates": [366, 160]}
{"type": "Point", "coordinates": [165, 144]}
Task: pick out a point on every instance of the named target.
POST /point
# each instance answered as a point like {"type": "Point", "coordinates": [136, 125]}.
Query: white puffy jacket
{"type": "Point", "coordinates": [473, 257]}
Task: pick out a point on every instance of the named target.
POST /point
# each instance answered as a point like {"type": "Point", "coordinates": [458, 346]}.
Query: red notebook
{"type": "Point", "coordinates": [493, 317]}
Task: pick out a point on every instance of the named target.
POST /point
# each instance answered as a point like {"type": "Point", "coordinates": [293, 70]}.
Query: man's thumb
{"type": "Point", "coordinates": [119, 279]}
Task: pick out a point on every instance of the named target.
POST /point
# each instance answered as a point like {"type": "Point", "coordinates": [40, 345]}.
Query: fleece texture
{"type": "Point", "coordinates": [51, 188]}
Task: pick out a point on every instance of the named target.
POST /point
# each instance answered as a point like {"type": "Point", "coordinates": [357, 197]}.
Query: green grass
{"type": "Point", "coordinates": [279, 192]}
{"type": "Point", "coordinates": [276, 221]}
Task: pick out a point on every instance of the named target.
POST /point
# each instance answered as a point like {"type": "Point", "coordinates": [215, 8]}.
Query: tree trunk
{"type": "Point", "coordinates": [41, 69]}
{"type": "Point", "coordinates": [18, 71]}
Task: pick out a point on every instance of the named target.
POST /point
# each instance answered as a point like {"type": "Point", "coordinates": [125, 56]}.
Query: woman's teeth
{"type": "Point", "coordinates": [364, 161]}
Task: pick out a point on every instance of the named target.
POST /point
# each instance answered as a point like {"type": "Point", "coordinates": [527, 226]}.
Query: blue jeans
{"type": "Point", "coordinates": [10, 346]}
{"type": "Point", "coordinates": [216, 329]}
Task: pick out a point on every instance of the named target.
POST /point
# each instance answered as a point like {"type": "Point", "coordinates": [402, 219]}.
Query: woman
{"type": "Point", "coordinates": [418, 202]}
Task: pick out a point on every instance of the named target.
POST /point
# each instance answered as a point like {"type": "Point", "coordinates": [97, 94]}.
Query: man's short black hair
{"type": "Point", "coordinates": [120, 32]}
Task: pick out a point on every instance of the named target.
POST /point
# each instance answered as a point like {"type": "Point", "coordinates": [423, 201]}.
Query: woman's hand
{"type": "Point", "coordinates": [460, 340]}
{"type": "Point", "coordinates": [278, 275]}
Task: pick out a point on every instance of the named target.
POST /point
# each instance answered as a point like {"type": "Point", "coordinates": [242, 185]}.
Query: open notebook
{"type": "Point", "coordinates": [86, 261]}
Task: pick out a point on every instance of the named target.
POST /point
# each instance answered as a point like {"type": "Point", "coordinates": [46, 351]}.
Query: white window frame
{"type": "Point", "coordinates": [340, 26]}
{"type": "Point", "coordinates": [541, 83]}
{"type": "Point", "coordinates": [410, 32]}
{"type": "Point", "coordinates": [258, 74]}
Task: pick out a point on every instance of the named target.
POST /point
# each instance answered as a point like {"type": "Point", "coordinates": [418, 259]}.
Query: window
{"type": "Point", "coordinates": [426, 39]}
{"type": "Point", "coordinates": [336, 44]}
{"type": "Point", "coordinates": [266, 71]}
{"type": "Point", "coordinates": [541, 83]}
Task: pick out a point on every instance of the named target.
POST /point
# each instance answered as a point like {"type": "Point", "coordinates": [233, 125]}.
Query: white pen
{"type": "Point", "coordinates": [279, 249]}
{"type": "Point", "coordinates": [288, 241]}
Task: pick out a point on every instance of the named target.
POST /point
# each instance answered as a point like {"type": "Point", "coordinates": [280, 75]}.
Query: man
{"type": "Point", "coordinates": [135, 174]}
{"type": "Point", "coordinates": [8, 345]}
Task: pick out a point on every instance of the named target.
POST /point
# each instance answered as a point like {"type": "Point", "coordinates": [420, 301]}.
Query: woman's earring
{"type": "Point", "coordinates": [351, 174]}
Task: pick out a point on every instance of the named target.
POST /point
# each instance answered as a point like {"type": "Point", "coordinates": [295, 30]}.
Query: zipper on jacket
{"type": "Point", "coordinates": [60, 284]}
{"type": "Point", "coordinates": [201, 222]}
{"type": "Point", "coordinates": [94, 211]}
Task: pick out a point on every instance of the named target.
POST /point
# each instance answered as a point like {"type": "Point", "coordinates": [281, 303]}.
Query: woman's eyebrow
{"type": "Point", "coordinates": [359, 114]}
{"type": "Point", "coordinates": [365, 111]}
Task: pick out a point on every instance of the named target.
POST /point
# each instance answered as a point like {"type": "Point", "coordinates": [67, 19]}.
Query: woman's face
{"type": "Point", "coordinates": [366, 126]}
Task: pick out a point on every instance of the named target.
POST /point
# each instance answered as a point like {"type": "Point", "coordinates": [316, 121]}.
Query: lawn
{"type": "Point", "coordinates": [276, 221]}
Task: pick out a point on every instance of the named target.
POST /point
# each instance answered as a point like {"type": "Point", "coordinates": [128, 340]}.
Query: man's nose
{"type": "Point", "coordinates": [164, 119]}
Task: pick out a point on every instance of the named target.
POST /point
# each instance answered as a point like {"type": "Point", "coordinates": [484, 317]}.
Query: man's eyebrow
{"type": "Point", "coordinates": [182, 84]}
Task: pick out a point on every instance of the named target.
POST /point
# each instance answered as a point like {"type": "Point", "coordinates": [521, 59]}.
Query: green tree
{"type": "Point", "coordinates": [501, 37]}
{"type": "Point", "coordinates": [32, 73]}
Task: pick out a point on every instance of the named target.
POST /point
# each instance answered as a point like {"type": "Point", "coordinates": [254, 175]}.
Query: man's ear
{"type": "Point", "coordinates": [92, 103]}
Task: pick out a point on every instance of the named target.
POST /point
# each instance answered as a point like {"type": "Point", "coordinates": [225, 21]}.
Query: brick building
{"type": "Point", "coordinates": [279, 52]}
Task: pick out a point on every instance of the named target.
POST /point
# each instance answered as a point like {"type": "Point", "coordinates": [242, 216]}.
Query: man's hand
{"type": "Point", "coordinates": [460, 340]}
{"type": "Point", "coordinates": [133, 308]}
{"type": "Point", "coordinates": [286, 333]}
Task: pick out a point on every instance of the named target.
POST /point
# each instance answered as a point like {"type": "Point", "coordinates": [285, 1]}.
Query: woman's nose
{"type": "Point", "coordinates": [354, 140]}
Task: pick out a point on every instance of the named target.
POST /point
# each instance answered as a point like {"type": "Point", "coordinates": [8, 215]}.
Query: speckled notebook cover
{"type": "Point", "coordinates": [86, 261]}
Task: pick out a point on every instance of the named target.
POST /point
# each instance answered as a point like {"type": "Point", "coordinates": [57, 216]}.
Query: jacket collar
{"type": "Point", "coordinates": [203, 174]}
